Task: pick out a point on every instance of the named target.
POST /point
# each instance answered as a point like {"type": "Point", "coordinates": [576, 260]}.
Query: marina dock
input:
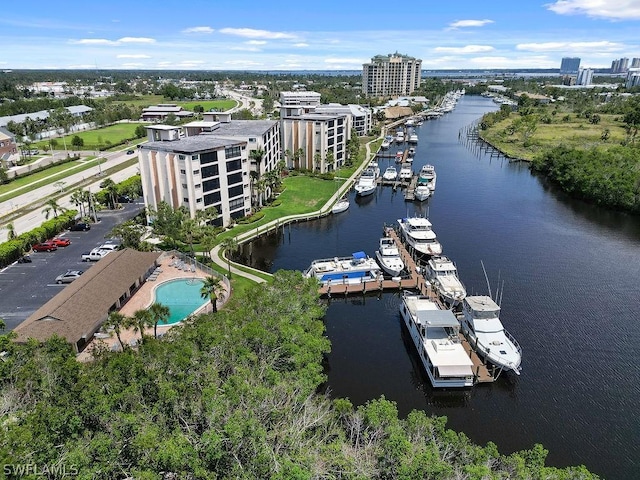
{"type": "Point", "coordinates": [412, 281]}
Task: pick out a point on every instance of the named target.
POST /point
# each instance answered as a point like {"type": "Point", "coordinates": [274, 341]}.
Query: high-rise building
{"type": "Point", "coordinates": [570, 65]}
{"type": "Point", "coordinates": [391, 75]}
{"type": "Point", "coordinates": [635, 63]}
{"type": "Point", "coordinates": [585, 76]}
{"type": "Point", "coordinates": [620, 65]}
{"type": "Point", "coordinates": [633, 78]}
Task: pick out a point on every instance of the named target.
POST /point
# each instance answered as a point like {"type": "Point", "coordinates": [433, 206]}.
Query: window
{"type": "Point", "coordinates": [210, 171]}
{"type": "Point", "coordinates": [236, 191]}
{"type": "Point", "coordinates": [196, 172]}
{"type": "Point", "coordinates": [209, 157]}
{"type": "Point", "coordinates": [234, 165]}
{"type": "Point", "coordinates": [198, 185]}
{"type": "Point", "coordinates": [209, 185]}
{"type": "Point", "coordinates": [184, 185]}
{"type": "Point", "coordinates": [183, 172]}
{"type": "Point", "coordinates": [181, 157]}
{"type": "Point", "coordinates": [186, 200]}
{"type": "Point", "coordinates": [211, 198]}
{"type": "Point", "coordinates": [232, 152]}
{"type": "Point", "coordinates": [234, 204]}
{"type": "Point", "coordinates": [198, 200]}
{"type": "Point", "coordinates": [234, 178]}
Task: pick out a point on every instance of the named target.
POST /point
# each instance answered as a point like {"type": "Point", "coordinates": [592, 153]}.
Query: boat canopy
{"type": "Point", "coordinates": [359, 255]}
{"type": "Point", "coordinates": [454, 370]}
{"type": "Point", "coordinates": [437, 318]}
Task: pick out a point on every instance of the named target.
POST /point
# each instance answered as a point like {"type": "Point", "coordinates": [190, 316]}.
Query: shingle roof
{"type": "Point", "coordinates": [79, 309]}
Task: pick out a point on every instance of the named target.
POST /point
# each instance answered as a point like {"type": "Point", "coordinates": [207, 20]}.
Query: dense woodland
{"type": "Point", "coordinates": [235, 394]}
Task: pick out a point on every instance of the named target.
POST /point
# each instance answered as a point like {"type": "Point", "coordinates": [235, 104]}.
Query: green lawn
{"type": "Point", "coordinates": [208, 105]}
{"type": "Point", "coordinates": [38, 179]}
{"type": "Point", "coordinates": [93, 139]}
{"type": "Point", "coordinates": [575, 133]}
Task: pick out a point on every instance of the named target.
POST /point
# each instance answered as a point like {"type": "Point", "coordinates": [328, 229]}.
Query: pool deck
{"type": "Point", "coordinates": [143, 299]}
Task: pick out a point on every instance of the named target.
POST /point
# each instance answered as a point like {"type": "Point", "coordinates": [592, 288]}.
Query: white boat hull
{"type": "Point", "coordinates": [363, 191]}
{"type": "Point", "coordinates": [340, 207]}
{"type": "Point", "coordinates": [392, 266]}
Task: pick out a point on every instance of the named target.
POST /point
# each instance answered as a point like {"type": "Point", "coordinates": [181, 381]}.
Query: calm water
{"type": "Point", "coordinates": [571, 276]}
{"type": "Point", "coordinates": [182, 297]}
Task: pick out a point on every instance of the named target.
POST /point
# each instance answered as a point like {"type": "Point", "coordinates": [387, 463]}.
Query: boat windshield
{"type": "Point", "coordinates": [485, 314]}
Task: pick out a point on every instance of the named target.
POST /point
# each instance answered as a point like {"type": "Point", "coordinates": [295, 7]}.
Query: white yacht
{"type": "Point", "coordinates": [482, 326]}
{"type": "Point", "coordinates": [443, 275]}
{"type": "Point", "coordinates": [422, 190]}
{"type": "Point", "coordinates": [428, 175]}
{"type": "Point", "coordinates": [405, 172]}
{"type": "Point", "coordinates": [435, 335]}
{"type": "Point", "coordinates": [341, 205]}
{"type": "Point", "coordinates": [385, 144]}
{"type": "Point", "coordinates": [357, 268]}
{"type": "Point", "coordinates": [388, 257]}
{"type": "Point", "coordinates": [399, 136]}
{"type": "Point", "coordinates": [417, 233]}
{"type": "Point", "coordinates": [390, 173]}
{"type": "Point", "coordinates": [413, 138]}
{"type": "Point", "coordinates": [366, 183]}
{"type": "Point", "coordinates": [375, 167]}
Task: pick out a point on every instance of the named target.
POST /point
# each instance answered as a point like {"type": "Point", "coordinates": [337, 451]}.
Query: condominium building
{"type": "Point", "coordinates": [298, 103]}
{"type": "Point", "coordinates": [633, 78]}
{"type": "Point", "coordinates": [360, 117]}
{"type": "Point", "coordinates": [620, 65]}
{"type": "Point", "coordinates": [585, 77]}
{"type": "Point", "coordinates": [635, 62]}
{"type": "Point", "coordinates": [570, 65]}
{"type": "Point", "coordinates": [197, 172]}
{"type": "Point", "coordinates": [391, 75]}
{"type": "Point", "coordinates": [315, 141]}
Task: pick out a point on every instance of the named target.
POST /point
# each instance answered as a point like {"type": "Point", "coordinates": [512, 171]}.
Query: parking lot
{"type": "Point", "coordinates": [25, 287]}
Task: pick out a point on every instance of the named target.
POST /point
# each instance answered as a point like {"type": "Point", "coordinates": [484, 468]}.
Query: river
{"type": "Point", "coordinates": [570, 277]}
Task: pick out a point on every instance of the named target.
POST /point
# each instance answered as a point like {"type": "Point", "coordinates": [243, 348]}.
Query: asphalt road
{"type": "Point", "coordinates": [25, 287]}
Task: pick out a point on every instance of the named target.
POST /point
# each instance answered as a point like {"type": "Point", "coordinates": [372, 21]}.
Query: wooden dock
{"type": "Point", "coordinates": [410, 192]}
{"type": "Point", "coordinates": [412, 281]}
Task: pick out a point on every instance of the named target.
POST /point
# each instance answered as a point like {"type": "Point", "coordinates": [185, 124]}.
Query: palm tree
{"type": "Point", "coordinates": [159, 313]}
{"type": "Point", "coordinates": [11, 231]}
{"type": "Point", "coordinates": [212, 287]}
{"type": "Point", "coordinates": [112, 189]}
{"type": "Point", "coordinates": [117, 322]}
{"type": "Point", "coordinates": [140, 321]}
{"type": "Point", "coordinates": [230, 245]}
{"type": "Point", "coordinates": [52, 206]}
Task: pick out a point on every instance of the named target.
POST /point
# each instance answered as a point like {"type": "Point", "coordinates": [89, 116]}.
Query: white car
{"type": "Point", "coordinates": [68, 277]}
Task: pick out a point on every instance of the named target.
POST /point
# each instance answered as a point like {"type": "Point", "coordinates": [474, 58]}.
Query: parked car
{"type": "Point", "coordinates": [130, 152]}
{"type": "Point", "coordinates": [124, 199]}
{"type": "Point", "coordinates": [108, 246]}
{"type": "Point", "coordinates": [94, 255]}
{"type": "Point", "coordinates": [80, 227]}
{"type": "Point", "coordinates": [24, 259]}
{"type": "Point", "coordinates": [60, 241]}
{"type": "Point", "coordinates": [69, 276]}
{"type": "Point", "coordinates": [44, 247]}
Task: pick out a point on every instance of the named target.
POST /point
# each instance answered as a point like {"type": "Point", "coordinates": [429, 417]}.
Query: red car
{"type": "Point", "coordinates": [44, 247]}
{"type": "Point", "coordinates": [60, 242]}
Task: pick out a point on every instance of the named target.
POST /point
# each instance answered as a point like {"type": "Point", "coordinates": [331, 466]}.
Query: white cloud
{"type": "Point", "coordinates": [240, 48]}
{"type": "Point", "coordinates": [570, 46]}
{"type": "Point", "coordinates": [256, 42]}
{"type": "Point", "coordinates": [244, 63]}
{"type": "Point", "coordinates": [132, 65]}
{"type": "Point", "coordinates": [133, 55]}
{"type": "Point", "coordinates": [467, 49]}
{"type": "Point", "coordinates": [470, 23]}
{"type": "Point", "coordinates": [196, 30]}
{"type": "Point", "coordinates": [136, 40]}
{"type": "Point", "coordinates": [252, 33]}
{"type": "Point", "coordinates": [93, 41]}
{"type": "Point", "coordinates": [300, 45]}
{"type": "Point", "coordinates": [609, 9]}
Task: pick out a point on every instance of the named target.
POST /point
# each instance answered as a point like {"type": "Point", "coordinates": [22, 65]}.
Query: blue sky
{"type": "Point", "coordinates": [327, 35]}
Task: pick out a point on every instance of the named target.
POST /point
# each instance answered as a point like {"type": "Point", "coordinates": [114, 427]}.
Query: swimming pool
{"type": "Point", "coordinates": [182, 296]}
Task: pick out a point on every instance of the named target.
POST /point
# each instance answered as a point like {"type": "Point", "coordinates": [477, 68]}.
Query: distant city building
{"type": "Point", "coordinates": [570, 65]}
{"type": "Point", "coordinates": [391, 75]}
{"type": "Point", "coordinates": [77, 111]}
{"type": "Point", "coordinates": [162, 110]}
{"type": "Point", "coordinates": [633, 78]}
{"type": "Point", "coordinates": [585, 77]}
{"type": "Point", "coordinates": [635, 63]}
{"type": "Point", "coordinates": [621, 65]}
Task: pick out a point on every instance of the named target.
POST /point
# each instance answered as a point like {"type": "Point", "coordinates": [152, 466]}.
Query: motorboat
{"type": "Point", "coordinates": [405, 172]}
{"type": "Point", "coordinates": [428, 175]}
{"type": "Point", "coordinates": [388, 257]}
{"type": "Point", "coordinates": [435, 335]}
{"type": "Point", "coordinates": [390, 173]}
{"type": "Point", "coordinates": [412, 151]}
{"type": "Point", "coordinates": [375, 167]}
{"type": "Point", "coordinates": [422, 190]}
{"type": "Point", "coordinates": [357, 268]}
{"type": "Point", "coordinates": [366, 183]}
{"type": "Point", "coordinates": [418, 234]}
{"type": "Point", "coordinates": [385, 144]}
{"type": "Point", "coordinates": [413, 138]}
{"type": "Point", "coordinates": [443, 275]}
{"type": "Point", "coordinates": [482, 326]}
{"type": "Point", "coordinates": [341, 205]}
{"type": "Point", "coordinates": [399, 136]}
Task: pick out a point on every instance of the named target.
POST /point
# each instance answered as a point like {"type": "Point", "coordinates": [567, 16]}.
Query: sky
{"type": "Point", "coordinates": [320, 35]}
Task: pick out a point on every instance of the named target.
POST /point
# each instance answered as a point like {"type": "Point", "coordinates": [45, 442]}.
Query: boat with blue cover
{"type": "Point", "coordinates": [357, 268]}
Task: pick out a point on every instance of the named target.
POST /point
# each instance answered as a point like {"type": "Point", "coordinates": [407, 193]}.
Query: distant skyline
{"type": "Point", "coordinates": [329, 35]}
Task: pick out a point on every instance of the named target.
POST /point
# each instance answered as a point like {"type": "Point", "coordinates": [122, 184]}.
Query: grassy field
{"type": "Point", "coordinates": [208, 105]}
{"type": "Point", "coordinates": [574, 133]}
{"type": "Point", "coordinates": [93, 139]}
